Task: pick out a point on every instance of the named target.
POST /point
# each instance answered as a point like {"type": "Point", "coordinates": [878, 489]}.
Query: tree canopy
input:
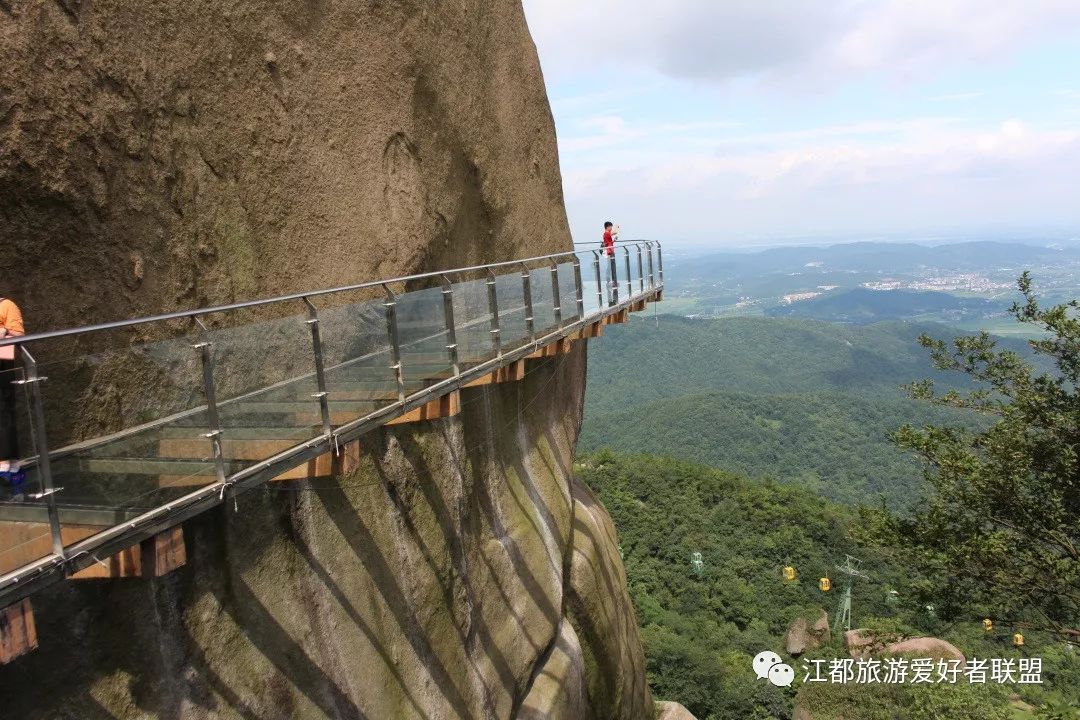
{"type": "Point", "coordinates": [998, 531]}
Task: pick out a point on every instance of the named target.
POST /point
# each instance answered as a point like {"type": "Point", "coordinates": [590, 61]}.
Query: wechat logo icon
{"type": "Point", "coordinates": [768, 664]}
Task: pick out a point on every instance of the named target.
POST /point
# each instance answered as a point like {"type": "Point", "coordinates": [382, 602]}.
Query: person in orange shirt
{"type": "Point", "coordinates": [11, 325]}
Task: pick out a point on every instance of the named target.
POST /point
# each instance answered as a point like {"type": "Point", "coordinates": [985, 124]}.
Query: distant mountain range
{"type": "Point", "coordinates": [899, 258]}
{"type": "Point", "coordinates": [862, 305]}
{"type": "Point", "coordinates": [942, 283]}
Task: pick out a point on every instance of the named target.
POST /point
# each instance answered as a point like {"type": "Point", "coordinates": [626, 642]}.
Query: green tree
{"type": "Point", "coordinates": [999, 529]}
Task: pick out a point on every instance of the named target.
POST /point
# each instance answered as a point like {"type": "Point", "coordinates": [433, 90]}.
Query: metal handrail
{"type": "Point", "coordinates": [187, 314]}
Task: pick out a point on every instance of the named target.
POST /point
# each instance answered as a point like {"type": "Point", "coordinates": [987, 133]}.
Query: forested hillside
{"type": "Point", "coordinates": [703, 628]}
{"type": "Point", "coordinates": [834, 443]}
{"type": "Point", "coordinates": [641, 362]}
{"type": "Point", "coordinates": [806, 402]}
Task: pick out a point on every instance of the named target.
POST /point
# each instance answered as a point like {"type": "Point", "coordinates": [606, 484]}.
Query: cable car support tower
{"type": "Point", "coordinates": [843, 611]}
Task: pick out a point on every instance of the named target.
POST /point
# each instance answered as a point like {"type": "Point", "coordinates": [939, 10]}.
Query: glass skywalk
{"type": "Point", "coordinates": [204, 404]}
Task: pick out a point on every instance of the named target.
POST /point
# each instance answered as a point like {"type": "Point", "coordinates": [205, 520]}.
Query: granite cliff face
{"type": "Point", "coordinates": [180, 154]}
{"type": "Point", "coordinates": [156, 156]}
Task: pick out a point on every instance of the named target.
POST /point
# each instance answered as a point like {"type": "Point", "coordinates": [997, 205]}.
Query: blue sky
{"type": "Point", "coordinates": [741, 122]}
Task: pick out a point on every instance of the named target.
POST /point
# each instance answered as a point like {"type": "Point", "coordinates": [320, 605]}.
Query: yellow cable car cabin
{"type": "Point", "coordinates": [825, 584]}
{"type": "Point", "coordinates": [988, 625]}
{"type": "Point", "coordinates": [1018, 639]}
{"type": "Point", "coordinates": [789, 573]}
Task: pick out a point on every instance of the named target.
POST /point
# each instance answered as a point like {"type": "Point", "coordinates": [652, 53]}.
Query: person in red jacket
{"type": "Point", "coordinates": [607, 246]}
{"type": "Point", "coordinates": [610, 233]}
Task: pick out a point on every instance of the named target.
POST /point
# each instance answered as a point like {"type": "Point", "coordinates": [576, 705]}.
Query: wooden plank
{"type": "Point", "coordinates": [592, 330]}
{"type": "Point", "coordinates": [320, 466]}
{"type": "Point", "coordinates": [348, 461]}
{"type": "Point", "coordinates": [151, 558]}
{"type": "Point", "coordinates": [441, 407]}
{"type": "Point", "coordinates": [18, 632]}
{"type": "Point", "coordinates": [163, 553]}
{"type": "Point", "coordinates": [509, 373]}
{"type": "Point", "coordinates": [24, 542]}
{"type": "Point", "coordinates": [552, 349]}
{"type": "Point", "coordinates": [616, 318]}
{"type": "Point", "coordinates": [126, 563]}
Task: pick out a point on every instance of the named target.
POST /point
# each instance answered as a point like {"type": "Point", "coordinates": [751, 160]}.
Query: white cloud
{"type": "Point", "coordinates": [896, 143]}
{"type": "Point", "coordinates": [783, 42]}
{"type": "Point", "coordinates": [913, 175]}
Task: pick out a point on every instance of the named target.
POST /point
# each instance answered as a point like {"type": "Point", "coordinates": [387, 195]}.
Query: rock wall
{"type": "Point", "coordinates": [156, 156]}
{"type": "Point", "coordinates": [173, 155]}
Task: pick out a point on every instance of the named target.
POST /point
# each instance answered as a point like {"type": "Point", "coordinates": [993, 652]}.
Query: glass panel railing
{"type": "Point", "coordinates": [543, 300]}
{"type": "Point", "coordinates": [264, 379]}
{"type": "Point", "coordinates": [356, 354]}
{"type": "Point", "coordinates": [422, 336]}
{"type": "Point", "coordinates": [592, 284]}
{"type": "Point", "coordinates": [513, 330]}
{"type": "Point", "coordinates": [628, 273]}
{"type": "Point", "coordinates": [649, 252]}
{"type": "Point", "coordinates": [473, 320]}
{"type": "Point", "coordinates": [113, 460]}
{"type": "Point", "coordinates": [568, 291]}
{"type": "Point", "coordinates": [612, 275]}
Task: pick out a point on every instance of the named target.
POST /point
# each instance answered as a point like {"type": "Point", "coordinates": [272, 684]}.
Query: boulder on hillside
{"type": "Point", "coordinates": [802, 636]}
{"type": "Point", "coordinates": [672, 711]}
{"type": "Point", "coordinates": [860, 643]}
{"type": "Point", "coordinates": [926, 647]}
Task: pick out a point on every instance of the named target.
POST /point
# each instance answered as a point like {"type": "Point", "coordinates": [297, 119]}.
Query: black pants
{"type": "Point", "coordinates": [9, 439]}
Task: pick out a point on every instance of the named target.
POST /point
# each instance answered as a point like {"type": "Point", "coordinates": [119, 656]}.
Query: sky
{"type": "Point", "coordinates": [732, 123]}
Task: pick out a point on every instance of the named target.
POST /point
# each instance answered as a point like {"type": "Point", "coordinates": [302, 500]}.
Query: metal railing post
{"type": "Point", "coordinates": [395, 341]}
{"type": "Point", "coordinates": [613, 286]}
{"type": "Point", "coordinates": [629, 275]}
{"type": "Point", "coordinates": [660, 261]}
{"type": "Point", "coordinates": [41, 443]}
{"type": "Point", "coordinates": [493, 308]}
{"type": "Point", "coordinates": [640, 269]}
{"type": "Point", "coordinates": [579, 290]}
{"type": "Point", "coordinates": [451, 328]}
{"type": "Point", "coordinates": [213, 421]}
{"type": "Point", "coordinates": [599, 280]}
{"type": "Point", "coordinates": [321, 393]}
{"type": "Point", "coordinates": [556, 300]}
{"type": "Point", "coordinates": [526, 291]}
{"type": "Point", "coordinates": [652, 276]}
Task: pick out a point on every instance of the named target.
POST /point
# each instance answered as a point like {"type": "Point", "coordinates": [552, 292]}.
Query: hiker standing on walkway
{"type": "Point", "coordinates": [11, 325]}
{"type": "Point", "coordinates": [610, 233]}
{"type": "Point", "coordinates": [607, 246]}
